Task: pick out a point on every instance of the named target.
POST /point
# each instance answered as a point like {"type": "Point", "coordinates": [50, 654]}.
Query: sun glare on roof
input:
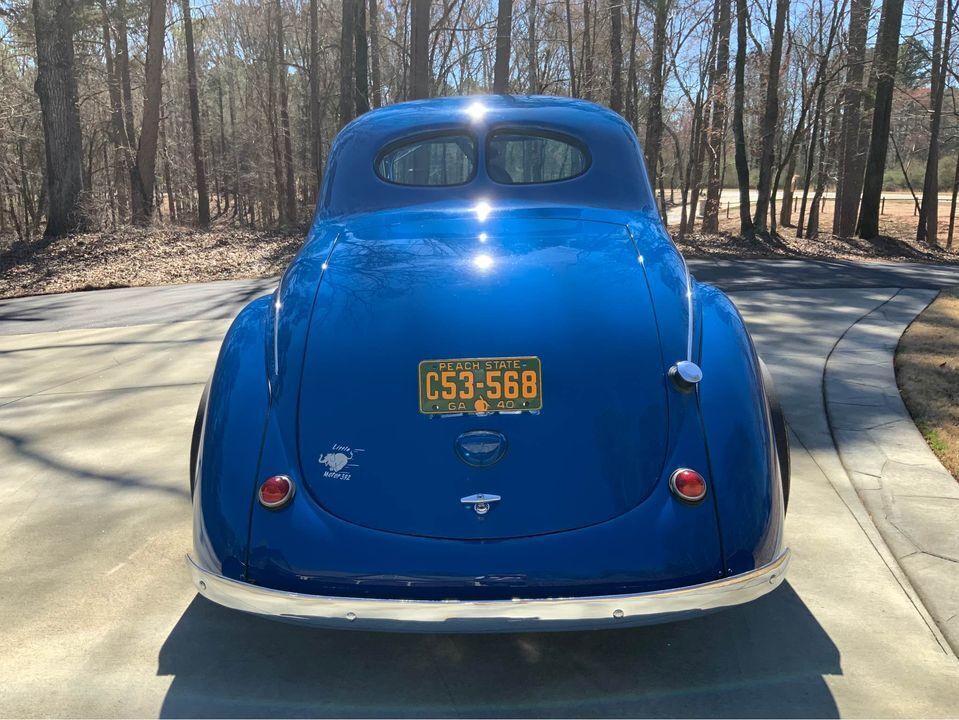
{"type": "Point", "coordinates": [476, 111]}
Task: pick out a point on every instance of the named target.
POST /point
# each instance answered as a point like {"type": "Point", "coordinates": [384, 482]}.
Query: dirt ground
{"type": "Point", "coordinates": [170, 255]}
{"type": "Point", "coordinates": [134, 257]}
{"type": "Point", "coordinates": [927, 369]}
{"type": "Point", "coordinates": [897, 242]}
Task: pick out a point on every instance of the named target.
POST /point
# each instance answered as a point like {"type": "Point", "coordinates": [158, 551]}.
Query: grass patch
{"type": "Point", "coordinates": [927, 370]}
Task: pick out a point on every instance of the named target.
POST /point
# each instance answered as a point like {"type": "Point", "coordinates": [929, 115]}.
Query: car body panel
{"type": "Point", "coordinates": [413, 286]}
{"type": "Point", "coordinates": [319, 382]}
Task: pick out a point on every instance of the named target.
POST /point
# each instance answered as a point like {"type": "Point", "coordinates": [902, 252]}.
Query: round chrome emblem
{"type": "Point", "coordinates": [480, 448]}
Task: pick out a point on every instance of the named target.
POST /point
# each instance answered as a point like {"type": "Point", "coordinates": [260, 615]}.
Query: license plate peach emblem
{"type": "Point", "coordinates": [480, 385]}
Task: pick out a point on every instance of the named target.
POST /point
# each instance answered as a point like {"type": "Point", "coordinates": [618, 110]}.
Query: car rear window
{"type": "Point", "coordinates": [437, 160]}
{"type": "Point", "coordinates": [516, 158]}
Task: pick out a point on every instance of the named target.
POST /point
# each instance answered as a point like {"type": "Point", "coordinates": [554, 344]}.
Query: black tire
{"type": "Point", "coordinates": [780, 433]}
{"type": "Point", "coordinates": [197, 432]}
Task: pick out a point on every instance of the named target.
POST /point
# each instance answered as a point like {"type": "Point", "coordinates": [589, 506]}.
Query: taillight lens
{"type": "Point", "coordinates": [276, 492]}
{"type": "Point", "coordinates": [688, 485]}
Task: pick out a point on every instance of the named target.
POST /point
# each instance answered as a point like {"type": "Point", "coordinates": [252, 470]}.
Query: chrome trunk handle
{"type": "Point", "coordinates": [481, 502]}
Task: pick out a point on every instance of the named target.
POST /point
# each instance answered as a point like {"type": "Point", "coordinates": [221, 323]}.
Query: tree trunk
{"type": "Point", "coordinates": [719, 91]}
{"type": "Point", "coordinates": [822, 176]}
{"type": "Point", "coordinates": [123, 71]}
{"type": "Point", "coordinates": [362, 49]}
{"type": "Point", "coordinates": [928, 228]}
{"type": "Point", "coordinates": [887, 54]}
{"type": "Point", "coordinates": [375, 53]}
{"type": "Point", "coordinates": [504, 30]}
{"type": "Point", "coordinates": [144, 172]}
{"type": "Point", "coordinates": [570, 55]}
{"type": "Point", "coordinates": [849, 176]}
{"type": "Point", "coordinates": [770, 119]}
{"type": "Point", "coordinates": [789, 189]}
{"type": "Point", "coordinates": [346, 71]}
{"type": "Point", "coordinates": [316, 147]}
{"type": "Point", "coordinates": [700, 133]}
{"type": "Point", "coordinates": [202, 193]}
{"type": "Point", "coordinates": [167, 177]}
{"type": "Point", "coordinates": [654, 118]}
{"type": "Point", "coordinates": [56, 86]}
{"type": "Point", "coordinates": [616, 64]}
{"type": "Point", "coordinates": [532, 51]}
{"type": "Point", "coordinates": [810, 158]}
{"type": "Point", "coordinates": [952, 206]}
{"type": "Point", "coordinates": [117, 134]}
{"type": "Point", "coordinates": [419, 50]}
{"type": "Point", "coordinates": [739, 130]}
{"type": "Point", "coordinates": [289, 184]}
{"type": "Point", "coordinates": [586, 76]}
{"type": "Point", "coordinates": [632, 84]}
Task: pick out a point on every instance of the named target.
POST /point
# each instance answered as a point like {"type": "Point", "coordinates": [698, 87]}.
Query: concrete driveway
{"type": "Point", "coordinates": [97, 616]}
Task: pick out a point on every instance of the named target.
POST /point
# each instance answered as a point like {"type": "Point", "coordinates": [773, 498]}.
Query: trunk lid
{"type": "Point", "coordinates": [567, 291]}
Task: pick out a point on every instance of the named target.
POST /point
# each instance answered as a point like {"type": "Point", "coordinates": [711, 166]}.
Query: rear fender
{"type": "Point", "coordinates": [233, 430]}
{"type": "Point", "coordinates": [742, 454]}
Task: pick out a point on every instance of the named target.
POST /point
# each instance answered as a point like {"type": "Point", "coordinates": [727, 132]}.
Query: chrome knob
{"type": "Point", "coordinates": [685, 375]}
{"type": "Point", "coordinates": [481, 502]}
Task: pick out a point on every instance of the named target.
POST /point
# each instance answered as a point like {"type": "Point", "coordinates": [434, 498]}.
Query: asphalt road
{"type": "Point", "coordinates": [222, 300]}
{"type": "Point", "coordinates": [97, 616]}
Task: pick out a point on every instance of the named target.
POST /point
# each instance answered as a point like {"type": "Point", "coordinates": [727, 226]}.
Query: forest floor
{"type": "Point", "coordinates": [128, 257]}
{"type": "Point", "coordinates": [897, 243]}
{"type": "Point", "coordinates": [165, 255]}
{"type": "Point", "coordinates": [927, 369]}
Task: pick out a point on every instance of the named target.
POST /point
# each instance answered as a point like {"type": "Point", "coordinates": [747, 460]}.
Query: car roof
{"type": "Point", "coordinates": [616, 177]}
{"type": "Point", "coordinates": [520, 109]}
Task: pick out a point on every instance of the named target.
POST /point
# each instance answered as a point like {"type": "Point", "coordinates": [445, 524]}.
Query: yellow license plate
{"type": "Point", "coordinates": [476, 385]}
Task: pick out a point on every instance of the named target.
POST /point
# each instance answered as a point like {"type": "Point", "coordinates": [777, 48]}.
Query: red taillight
{"type": "Point", "coordinates": [688, 485]}
{"type": "Point", "coordinates": [276, 492]}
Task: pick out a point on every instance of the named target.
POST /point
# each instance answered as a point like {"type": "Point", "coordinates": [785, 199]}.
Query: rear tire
{"type": "Point", "coordinates": [197, 433]}
{"type": "Point", "coordinates": [780, 433]}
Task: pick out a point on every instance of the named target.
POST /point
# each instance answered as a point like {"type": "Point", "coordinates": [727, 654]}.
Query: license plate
{"type": "Point", "coordinates": [476, 385]}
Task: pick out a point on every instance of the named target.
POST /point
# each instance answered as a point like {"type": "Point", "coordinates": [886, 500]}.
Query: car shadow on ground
{"type": "Point", "coordinates": [765, 659]}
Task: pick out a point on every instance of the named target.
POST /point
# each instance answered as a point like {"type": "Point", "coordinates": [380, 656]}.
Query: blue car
{"type": "Point", "coordinates": [488, 396]}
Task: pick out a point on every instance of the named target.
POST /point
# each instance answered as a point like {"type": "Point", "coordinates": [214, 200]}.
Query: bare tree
{"type": "Point", "coordinates": [718, 90]}
{"type": "Point", "coordinates": [887, 55]}
{"type": "Point", "coordinates": [770, 121]}
{"type": "Point", "coordinates": [849, 181]}
{"type": "Point", "coordinates": [419, 50]}
{"type": "Point", "coordinates": [347, 73]}
{"type": "Point", "coordinates": [56, 86]}
{"type": "Point", "coordinates": [362, 46]}
{"type": "Point", "coordinates": [616, 57]}
{"type": "Point", "coordinates": [203, 195]}
{"type": "Point", "coordinates": [504, 29]}
{"type": "Point", "coordinates": [375, 76]}
{"type": "Point", "coordinates": [586, 75]}
{"type": "Point", "coordinates": [739, 131]}
{"type": "Point", "coordinates": [532, 51]}
{"type": "Point", "coordinates": [289, 183]}
{"type": "Point", "coordinates": [928, 227]}
{"type": "Point", "coordinates": [657, 72]}
{"type": "Point", "coordinates": [316, 111]}
{"type": "Point", "coordinates": [570, 54]}
{"type": "Point", "coordinates": [121, 179]}
{"type": "Point", "coordinates": [143, 172]}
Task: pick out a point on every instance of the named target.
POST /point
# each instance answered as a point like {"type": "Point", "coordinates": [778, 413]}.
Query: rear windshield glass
{"type": "Point", "coordinates": [437, 160]}
{"type": "Point", "coordinates": [521, 158]}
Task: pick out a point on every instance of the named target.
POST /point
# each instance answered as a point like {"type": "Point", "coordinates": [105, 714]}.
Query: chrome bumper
{"type": "Point", "coordinates": [518, 615]}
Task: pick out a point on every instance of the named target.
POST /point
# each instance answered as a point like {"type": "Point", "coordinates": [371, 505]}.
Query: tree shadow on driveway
{"type": "Point", "coordinates": [765, 659]}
